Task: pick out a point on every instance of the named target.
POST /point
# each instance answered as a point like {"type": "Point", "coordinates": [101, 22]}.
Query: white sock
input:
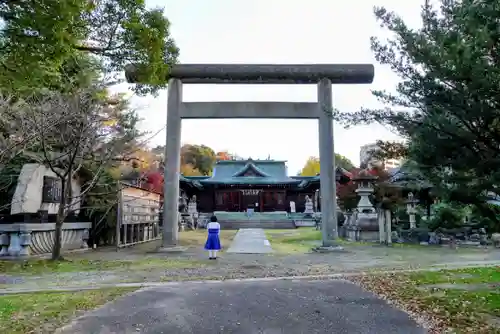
{"type": "Point", "coordinates": [210, 253]}
{"type": "Point", "coordinates": [215, 253]}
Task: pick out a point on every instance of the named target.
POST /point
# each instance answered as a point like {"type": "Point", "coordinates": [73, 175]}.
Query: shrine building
{"type": "Point", "coordinates": [261, 185]}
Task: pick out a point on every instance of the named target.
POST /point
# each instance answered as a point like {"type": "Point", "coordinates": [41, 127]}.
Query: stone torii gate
{"type": "Point", "coordinates": [324, 75]}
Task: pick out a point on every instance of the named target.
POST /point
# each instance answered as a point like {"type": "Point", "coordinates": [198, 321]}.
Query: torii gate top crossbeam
{"type": "Point", "coordinates": [267, 74]}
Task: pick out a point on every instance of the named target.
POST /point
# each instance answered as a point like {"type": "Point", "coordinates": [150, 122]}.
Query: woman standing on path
{"type": "Point", "coordinates": [213, 242]}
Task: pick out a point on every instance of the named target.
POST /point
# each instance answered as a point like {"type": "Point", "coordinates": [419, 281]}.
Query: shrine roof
{"type": "Point", "coordinates": [257, 172]}
{"type": "Point", "coordinates": [250, 172]}
{"type": "Point", "coordinates": [341, 175]}
{"type": "Point", "coordinates": [408, 176]}
{"type": "Point", "coordinates": [192, 180]}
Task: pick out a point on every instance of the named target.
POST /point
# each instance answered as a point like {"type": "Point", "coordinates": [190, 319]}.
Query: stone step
{"type": "Point", "coordinates": [235, 225]}
{"type": "Point", "coordinates": [256, 216]}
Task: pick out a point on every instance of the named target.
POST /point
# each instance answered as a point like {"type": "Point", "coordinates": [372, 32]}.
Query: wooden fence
{"type": "Point", "coordinates": [138, 216]}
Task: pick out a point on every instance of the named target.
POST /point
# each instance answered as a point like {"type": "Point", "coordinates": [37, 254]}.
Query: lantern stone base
{"type": "Point", "coordinates": [368, 229]}
{"type": "Point", "coordinates": [371, 236]}
{"type": "Point", "coordinates": [172, 249]}
{"type": "Point", "coordinates": [328, 249]}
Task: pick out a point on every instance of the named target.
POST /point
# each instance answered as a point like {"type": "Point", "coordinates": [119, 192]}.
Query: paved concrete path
{"type": "Point", "coordinates": [250, 241]}
{"type": "Point", "coordinates": [276, 307]}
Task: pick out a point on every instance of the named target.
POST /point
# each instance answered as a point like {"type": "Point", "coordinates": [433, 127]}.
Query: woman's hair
{"type": "Point", "coordinates": [213, 219]}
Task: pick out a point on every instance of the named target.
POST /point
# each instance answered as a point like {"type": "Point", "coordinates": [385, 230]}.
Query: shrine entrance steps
{"type": "Point", "coordinates": [265, 220]}
{"type": "Point", "coordinates": [238, 224]}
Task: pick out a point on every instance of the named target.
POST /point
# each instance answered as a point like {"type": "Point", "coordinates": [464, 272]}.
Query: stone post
{"type": "Point", "coordinates": [388, 227]}
{"type": "Point", "coordinates": [85, 239]}
{"type": "Point", "coordinates": [329, 224]}
{"type": "Point", "coordinates": [15, 244]}
{"type": "Point", "coordinates": [413, 221]}
{"type": "Point", "coordinates": [4, 244]}
{"type": "Point", "coordinates": [25, 243]}
{"type": "Point", "coordinates": [172, 164]}
{"type": "Point", "coordinates": [410, 209]}
{"type": "Point", "coordinates": [381, 226]}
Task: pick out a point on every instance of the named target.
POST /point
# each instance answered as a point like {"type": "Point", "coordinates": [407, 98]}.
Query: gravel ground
{"type": "Point", "coordinates": [228, 266]}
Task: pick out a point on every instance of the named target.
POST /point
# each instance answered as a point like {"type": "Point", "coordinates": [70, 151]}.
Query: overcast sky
{"type": "Point", "coordinates": [275, 31]}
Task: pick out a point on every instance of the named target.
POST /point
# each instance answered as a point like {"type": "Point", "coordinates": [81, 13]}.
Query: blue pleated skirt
{"type": "Point", "coordinates": [213, 241]}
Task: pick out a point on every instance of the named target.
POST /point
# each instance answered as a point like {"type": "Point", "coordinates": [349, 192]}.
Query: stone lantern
{"type": "Point", "coordinates": [365, 189]}
{"type": "Point", "coordinates": [411, 209]}
{"type": "Point", "coordinates": [366, 221]}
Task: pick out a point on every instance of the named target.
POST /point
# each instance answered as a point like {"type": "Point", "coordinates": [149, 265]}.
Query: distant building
{"type": "Point", "coordinates": [367, 157]}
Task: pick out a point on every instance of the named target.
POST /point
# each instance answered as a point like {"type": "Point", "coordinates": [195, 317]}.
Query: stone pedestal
{"type": "Point", "coordinates": [352, 233]}
{"type": "Point", "coordinates": [21, 239]}
{"type": "Point", "coordinates": [367, 224]}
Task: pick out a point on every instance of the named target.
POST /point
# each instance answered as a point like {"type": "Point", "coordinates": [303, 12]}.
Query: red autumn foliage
{"type": "Point", "coordinates": [346, 192]}
{"type": "Point", "coordinates": [154, 182]}
{"type": "Point", "coordinates": [223, 155]}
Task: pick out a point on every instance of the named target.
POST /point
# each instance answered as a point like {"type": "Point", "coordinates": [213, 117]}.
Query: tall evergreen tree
{"type": "Point", "coordinates": [447, 101]}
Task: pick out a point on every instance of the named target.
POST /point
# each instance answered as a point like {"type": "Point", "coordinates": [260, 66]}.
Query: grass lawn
{"type": "Point", "coordinates": [38, 267]}
{"type": "Point", "coordinates": [464, 300]}
{"type": "Point", "coordinates": [100, 261]}
{"type": "Point", "coordinates": [300, 240]}
{"type": "Point", "coordinates": [112, 261]}
{"type": "Point", "coordinates": [45, 312]}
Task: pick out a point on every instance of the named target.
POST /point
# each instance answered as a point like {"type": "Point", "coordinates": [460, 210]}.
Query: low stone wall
{"type": "Point", "coordinates": [23, 239]}
{"type": "Point", "coordinates": [304, 222]}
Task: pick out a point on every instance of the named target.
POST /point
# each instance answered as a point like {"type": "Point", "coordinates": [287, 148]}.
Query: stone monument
{"type": "Point", "coordinates": [292, 207]}
{"type": "Point", "coordinates": [192, 205]}
{"type": "Point", "coordinates": [193, 211]}
{"type": "Point", "coordinates": [411, 209]}
{"type": "Point", "coordinates": [367, 218]}
{"type": "Point", "coordinates": [182, 215]}
{"type": "Point", "coordinates": [309, 207]}
{"type": "Point", "coordinates": [38, 188]}
{"type": "Point", "coordinates": [36, 197]}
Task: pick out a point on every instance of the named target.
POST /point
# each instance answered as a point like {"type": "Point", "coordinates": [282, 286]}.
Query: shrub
{"type": "Point", "coordinates": [447, 216]}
